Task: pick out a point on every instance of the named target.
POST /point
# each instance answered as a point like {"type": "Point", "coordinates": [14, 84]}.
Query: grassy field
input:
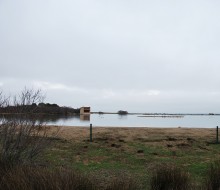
{"type": "Point", "coordinates": [133, 153]}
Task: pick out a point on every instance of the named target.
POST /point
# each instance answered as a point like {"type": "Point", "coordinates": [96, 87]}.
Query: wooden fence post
{"type": "Point", "coordinates": [90, 132]}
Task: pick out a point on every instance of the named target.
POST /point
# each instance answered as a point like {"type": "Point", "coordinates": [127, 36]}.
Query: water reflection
{"type": "Point", "coordinates": [123, 116]}
{"type": "Point", "coordinates": [85, 117]}
{"type": "Point", "coordinates": [42, 118]}
{"type": "Point", "coordinates": [119, 120]}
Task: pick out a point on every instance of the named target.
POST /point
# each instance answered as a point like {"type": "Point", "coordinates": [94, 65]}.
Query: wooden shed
{"type": "Point", "coordinates": [84, 110]}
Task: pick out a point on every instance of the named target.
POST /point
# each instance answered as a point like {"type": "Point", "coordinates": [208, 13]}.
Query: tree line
{"type": "Point", "coordinates": [29, 105]}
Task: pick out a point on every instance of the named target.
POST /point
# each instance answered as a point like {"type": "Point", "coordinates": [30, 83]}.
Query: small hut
{"type": "Point", "coordinates": [84, 110]}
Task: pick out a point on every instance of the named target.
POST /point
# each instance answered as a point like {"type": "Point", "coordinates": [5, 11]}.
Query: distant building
{"type": "Point", "coordinates": [84, 110]}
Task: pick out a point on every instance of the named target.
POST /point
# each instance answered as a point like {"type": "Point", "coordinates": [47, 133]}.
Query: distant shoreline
{"type": "Point", "coordinates": [160, 114]}
{"type": "Point", "coordinates": [173, 116]}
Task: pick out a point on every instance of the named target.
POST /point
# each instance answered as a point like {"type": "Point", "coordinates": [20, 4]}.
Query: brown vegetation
{"type": "Point", "coordinates": [21, 139]}
{"type": "Point", "coordinates": [170, 177]}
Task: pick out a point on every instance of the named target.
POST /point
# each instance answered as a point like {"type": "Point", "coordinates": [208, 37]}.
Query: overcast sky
{"type": "Point", "coordinates": [139, 56]}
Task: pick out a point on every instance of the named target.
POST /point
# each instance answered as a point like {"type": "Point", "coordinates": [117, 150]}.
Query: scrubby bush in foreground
{"type": "Point", "coordinates": [21, 138]}
{"type": "Point", "coordinates": [123, 183]}
{"type": "Point", "coordinates": [36, 178]}
{"type": "Point", "coordinates": [170, 178]}
{"type": "Point", "coordinates": [212, 181]}
{"type": "Point", "coordinates": [23, 177]}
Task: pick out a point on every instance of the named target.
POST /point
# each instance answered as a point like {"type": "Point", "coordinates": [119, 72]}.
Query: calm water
{"type": "Point", "coordinates": [135, 121]}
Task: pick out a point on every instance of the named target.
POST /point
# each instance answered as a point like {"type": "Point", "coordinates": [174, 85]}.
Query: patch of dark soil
{"type": "Point", "coordinates": [115, 145]}
{"type": "Point", "coordinates": [171, 139]}
{"type": "Point", "coordinates": [140, 151]}
{"type": "Point", "coordinates": [190, 139]}
{"type": "Point", "coordinates": [121, 140]}
{"type": "Point", "coordinates": [169, 145]}
{"type": "Point", "coordinates": [183, 145]}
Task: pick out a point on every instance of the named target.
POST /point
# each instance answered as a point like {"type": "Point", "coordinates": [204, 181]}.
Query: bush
{"type": "Point", "coordinates": [212, 181]}
{"type": "Point", "coordinates": [37, 178]}
{"type": "Point", "coordinates": [122, 112]}
{"type": "Point", "coordinates": [170, 178]}
{"type": "Point", "coordinates": [21, 138]}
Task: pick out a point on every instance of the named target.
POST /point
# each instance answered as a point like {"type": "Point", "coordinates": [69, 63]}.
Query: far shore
{"type": "Point", "coordinates": [159, 114]}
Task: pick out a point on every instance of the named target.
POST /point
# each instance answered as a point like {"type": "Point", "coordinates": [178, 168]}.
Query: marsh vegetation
{"type": "Point", "coordinates": [36, 156]}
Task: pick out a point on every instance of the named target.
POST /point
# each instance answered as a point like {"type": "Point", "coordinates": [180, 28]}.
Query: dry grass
{"type": "Point", "coordinates": [170, 178]}
{"type": "Point", "coordinates": [137, 151]}
{"type": "Point", "coordinates": [24, 177]}
{"type": "Point", "coordinates": [130, 134]}
{"type": "Point", "coordinates": [212, 181]}
{"type": "Point", "coordinates": [37, 178]}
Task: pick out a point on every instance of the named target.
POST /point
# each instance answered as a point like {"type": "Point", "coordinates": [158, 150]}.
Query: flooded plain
{"type": "Point", "coordinates": [115, 120]}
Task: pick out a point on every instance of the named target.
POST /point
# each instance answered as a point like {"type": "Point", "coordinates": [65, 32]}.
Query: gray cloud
{"type": "Point", "coordinates": [112, 54]}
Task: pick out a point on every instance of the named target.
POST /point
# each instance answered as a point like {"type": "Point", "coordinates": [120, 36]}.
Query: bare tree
{"type": "Point", "coordinates": [22, 138]}
{"type": "Point", "coordinates": [3, 100]}
{"type": "Point", "coordinates": [26, 98]}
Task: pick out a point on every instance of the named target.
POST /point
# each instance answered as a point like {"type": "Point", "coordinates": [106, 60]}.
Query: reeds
{"type": "Point", "coordinates": [123, 183]}
{"type": "Point", "coordinates": [170, 178]}
{"type": "Point", "coordinates": [37, 178]}
{"type": "Point", "coordinates": [212, 181]}
{"type": "Point", "coordinates": [23, 177]}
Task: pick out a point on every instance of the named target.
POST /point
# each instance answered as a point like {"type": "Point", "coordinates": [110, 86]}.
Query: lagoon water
{"type": "Point", "coordinates": [114, 120]}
